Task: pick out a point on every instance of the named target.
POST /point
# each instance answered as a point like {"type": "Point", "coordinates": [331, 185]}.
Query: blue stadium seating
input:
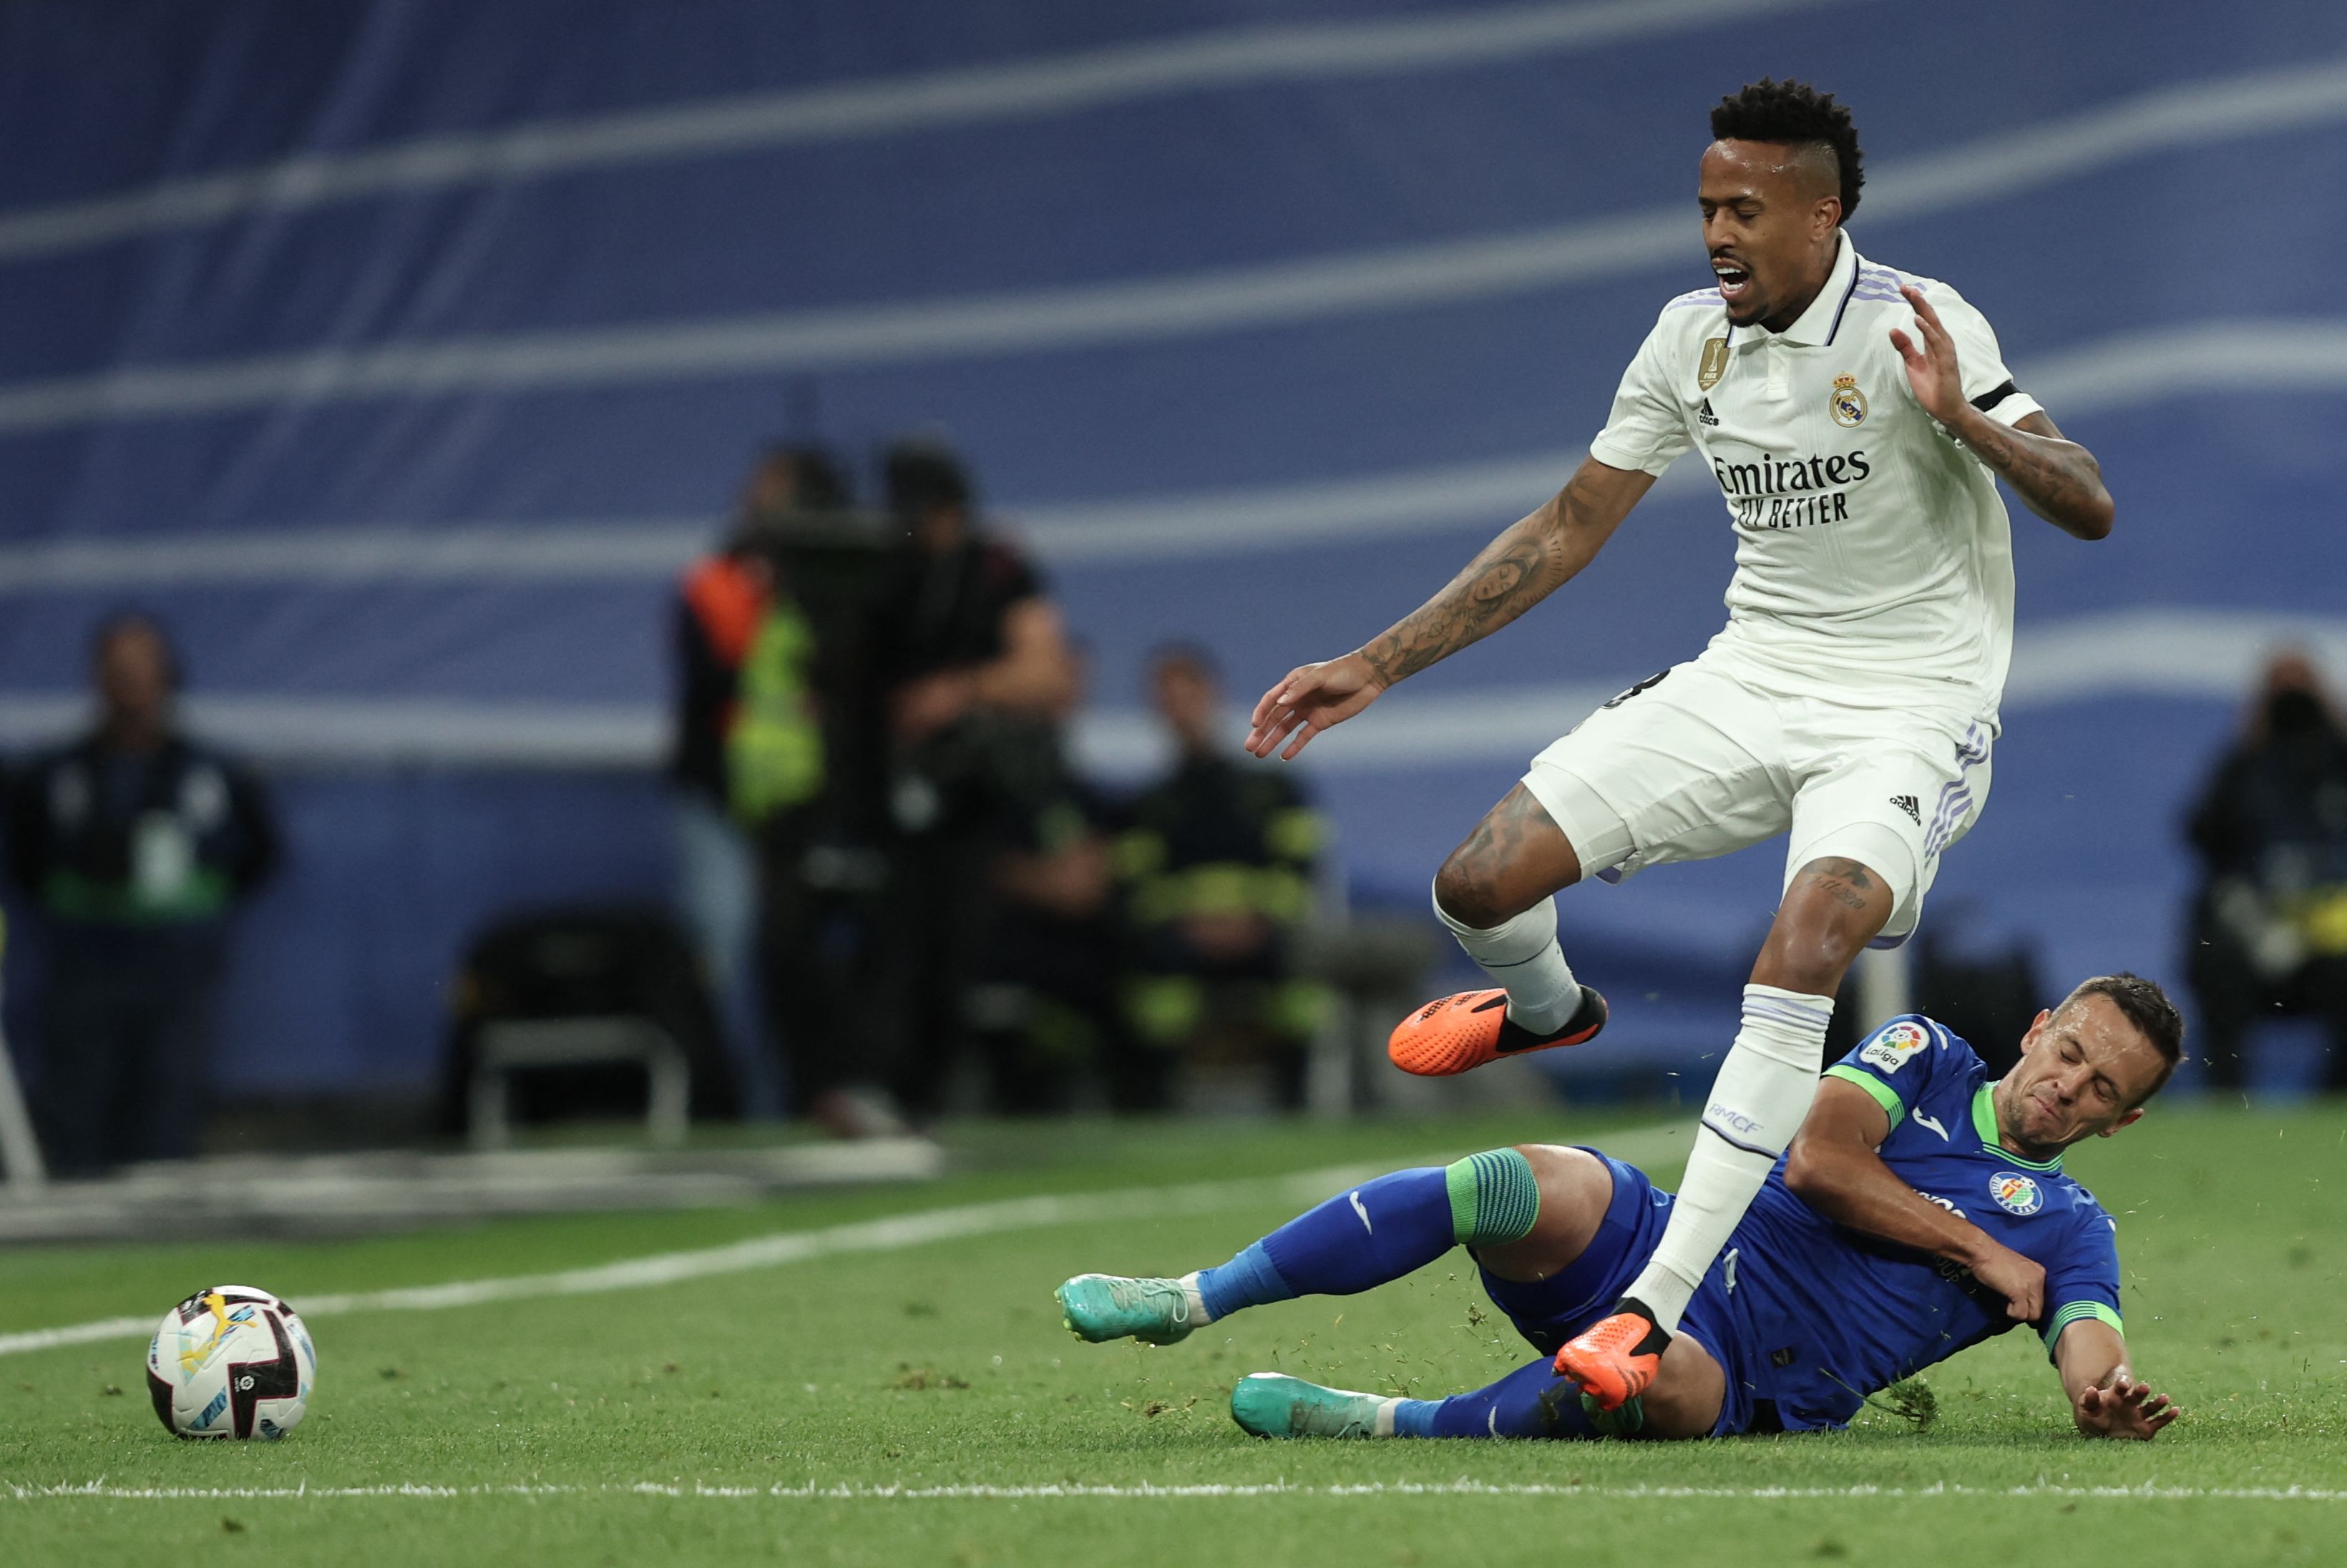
{"type": "Point", "coordinates": [399, 353]}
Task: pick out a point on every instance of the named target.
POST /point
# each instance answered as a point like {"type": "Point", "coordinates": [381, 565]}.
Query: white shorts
{"type": "Point", "coordinates": [1713, 756]}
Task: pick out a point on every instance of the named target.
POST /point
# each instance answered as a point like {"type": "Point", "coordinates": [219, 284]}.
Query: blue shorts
{"type": "Point", "coordinates": [1549, 1311]}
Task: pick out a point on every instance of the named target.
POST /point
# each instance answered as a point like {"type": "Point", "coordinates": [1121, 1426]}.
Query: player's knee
{"type": "Point", "coordinates": [1468, 889]}
{"type": "Point", "coordinates": [1833, 909]}
{"type": "Point", "coordinates": [1495, 1197]}
{"type": "Point", "coordinates": [1570, 1190]}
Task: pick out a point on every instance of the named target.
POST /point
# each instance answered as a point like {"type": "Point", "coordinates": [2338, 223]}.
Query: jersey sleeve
{"type": "Point", "coordinates": [1647, 429]}
{"type": "Point", "coordinates": [2083, 1279]}
{"type": "Point", "coordinates": [1987, 383]}
{"type": "Point", "coordinates": [1901, 1064]}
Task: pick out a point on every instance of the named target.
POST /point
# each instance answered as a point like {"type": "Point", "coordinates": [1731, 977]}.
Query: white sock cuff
{"type": "Point", "coordinates": [1515, 940]}
{"type": "Point", "coordinates": [1798, 1009]}
{"type": "Point", "coordinates": [1786, 1026]}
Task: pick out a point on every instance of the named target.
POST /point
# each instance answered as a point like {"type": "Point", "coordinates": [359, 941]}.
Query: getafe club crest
{"type": "Point", "coordinates": [2016, 1192]}
{"type": "Point", "coordinates": [1714, 364]}
{"type": "Point", "coordinates": [1847, 403]}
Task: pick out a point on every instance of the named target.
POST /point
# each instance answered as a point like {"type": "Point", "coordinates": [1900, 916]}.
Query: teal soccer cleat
{"type": "Point", "coordinates": [1104, 1306]}
{"type": "Point", "coordinates": [1272, 1405]}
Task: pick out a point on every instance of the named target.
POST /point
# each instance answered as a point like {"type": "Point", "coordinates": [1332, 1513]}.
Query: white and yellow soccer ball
{"type": "Point", "coordinates": [231, 1361]}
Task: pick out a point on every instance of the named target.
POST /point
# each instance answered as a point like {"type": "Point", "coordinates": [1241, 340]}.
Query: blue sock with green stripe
{"type": "Point", "coordinates": [1531, 1402]}
{"type": "Point", "coordinates": [1380, 1230]}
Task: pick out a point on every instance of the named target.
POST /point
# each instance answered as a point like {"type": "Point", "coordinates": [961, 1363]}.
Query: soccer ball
{"type": "Point", "coordinates": [231, 1361]}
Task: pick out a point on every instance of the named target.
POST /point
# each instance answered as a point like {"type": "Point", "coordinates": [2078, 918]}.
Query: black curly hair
{"type": "Point", "coordinates": [1795, 113]}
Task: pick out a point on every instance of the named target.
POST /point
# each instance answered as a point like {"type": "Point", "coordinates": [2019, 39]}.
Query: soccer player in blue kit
{"type": "Point", "coordinates": [1922, 1209]}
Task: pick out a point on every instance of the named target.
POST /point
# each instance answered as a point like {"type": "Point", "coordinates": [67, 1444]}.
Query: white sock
{"type": "Point", "coordinates": [1757, 1104]}
{"type": "Point", "coordinates": [1189, 1283]}
{"type": "Point", "coordinates": [1522, 955]}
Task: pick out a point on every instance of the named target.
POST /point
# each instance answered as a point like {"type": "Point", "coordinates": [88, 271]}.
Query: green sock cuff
{"type": "Point", "coordinates": [1494, 1198]}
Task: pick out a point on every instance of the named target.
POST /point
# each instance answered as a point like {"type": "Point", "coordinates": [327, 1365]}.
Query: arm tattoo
{"type": "Point", "coordinates": [2059, 479]}
{"type": "Point", "coordinates": [1516, 571]}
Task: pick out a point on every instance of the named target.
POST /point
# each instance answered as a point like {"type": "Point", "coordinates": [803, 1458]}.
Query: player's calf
{"type": "Point", "coordinates": [1378, 1231]}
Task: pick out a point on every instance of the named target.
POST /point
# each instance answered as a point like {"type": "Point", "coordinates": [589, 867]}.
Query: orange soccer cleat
{"type": "Point", "coordinates": [1616, 1360]}
{"type": "Point", "coordinates": [1466, 1031]}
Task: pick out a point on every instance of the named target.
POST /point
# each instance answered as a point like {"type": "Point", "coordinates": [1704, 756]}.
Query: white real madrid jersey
{"type": "Point", "coordinates": [1867, 541]}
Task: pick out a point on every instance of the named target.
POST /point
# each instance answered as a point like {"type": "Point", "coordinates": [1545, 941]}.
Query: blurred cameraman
{"type": "Point", "coordinates": [2268, 923]}
{"type": "Point", "coordinates": [746, 766]}
{"type": "Point", "coordinates": [976, 667]}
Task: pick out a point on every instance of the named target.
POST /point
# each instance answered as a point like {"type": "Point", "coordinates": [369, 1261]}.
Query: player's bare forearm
{"type": "Point", "coordinates": [1516, 571]}
{"type": "Point", "coordinates": [1842, 1177]}
{"type": "Point", "coordinates": [1531, 560]}
{"type": "Point", "coordinates": [1833, 1168]}
{"type": "Point", "coordinates": [2107, 1399]}
{"type": "Point", "coordinates": [2057, 478]}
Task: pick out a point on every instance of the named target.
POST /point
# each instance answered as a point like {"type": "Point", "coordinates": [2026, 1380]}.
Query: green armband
{"type": "Point", "coordinates": [1883, 1096]}
{"type": "Point", "coordinates": [2078, 1312]}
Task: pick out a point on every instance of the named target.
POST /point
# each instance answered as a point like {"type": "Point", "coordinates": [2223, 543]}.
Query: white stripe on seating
{"type": "Point", "coordinates": [1270, 294]}
{"type": "Point", "coordinates": [2177, 653]}
{"type": "Point", "coordinates": [845, 111]}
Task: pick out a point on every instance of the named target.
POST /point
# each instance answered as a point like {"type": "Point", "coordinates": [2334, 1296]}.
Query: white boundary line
{"type": "Point", "coordinates": [1272, 294]}
{"type": "Point", "coordinates": [891, 1233]}
{"type": "Point", "coordinates": [1077, 1491]}
{"type": "Point", "coordinates": [843, 111]}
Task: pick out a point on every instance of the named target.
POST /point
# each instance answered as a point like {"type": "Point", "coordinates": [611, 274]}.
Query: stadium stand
{"type": "Point", "coordinates": [403, 354]}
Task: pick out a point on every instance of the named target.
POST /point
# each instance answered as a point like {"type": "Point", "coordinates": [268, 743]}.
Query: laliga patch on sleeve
{"type": "Point", "coordinates": [1891, 1049]}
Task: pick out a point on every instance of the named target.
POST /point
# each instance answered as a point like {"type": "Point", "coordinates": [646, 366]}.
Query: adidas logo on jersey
{"type": "Point", "coordinates": [1907, 803]}
{"type": "Point", "coordinates": [1704, 416]}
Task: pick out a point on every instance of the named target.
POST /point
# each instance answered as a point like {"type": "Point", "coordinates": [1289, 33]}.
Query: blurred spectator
{"type": "Point", "coordinates": [135, 842]}
{"type": "Point", "coordinates": [749, 766]}
{"type": "Point", "coordinates": [1046, 1009]}
{"type": "Point", "coordinates": [977, 670]}
{"type": "Point", "coordinates": [2269, 921]}
{"type": "Point", "coordinates": [1219, 862]}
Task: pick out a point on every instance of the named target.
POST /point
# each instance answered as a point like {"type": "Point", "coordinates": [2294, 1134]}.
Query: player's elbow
{"type": "Point", "coordinates": [1807, 1176]}
{"type": "Point", "coordinates": [2094, 520]}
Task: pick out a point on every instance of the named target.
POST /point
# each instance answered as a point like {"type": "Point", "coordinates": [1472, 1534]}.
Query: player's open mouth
{"type": "Point", "coordinates": [1733, 280]}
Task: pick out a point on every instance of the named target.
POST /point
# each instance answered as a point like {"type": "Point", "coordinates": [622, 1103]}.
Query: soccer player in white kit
{"type": "Point", "coordinates": [1856, 419]}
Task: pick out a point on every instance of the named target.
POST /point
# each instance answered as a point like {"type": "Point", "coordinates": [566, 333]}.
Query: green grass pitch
{"type": "Point", "coordinates": [857, 1405]}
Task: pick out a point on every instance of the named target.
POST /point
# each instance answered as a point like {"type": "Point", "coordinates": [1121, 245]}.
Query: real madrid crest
{"type": "Point", "coordinates": [1847, 403]}
{"type": "Point", "coordinates": [1714, 364]}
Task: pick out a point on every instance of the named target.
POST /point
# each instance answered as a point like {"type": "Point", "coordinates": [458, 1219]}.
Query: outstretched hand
{"type": "Point", "coordinates": [1309, 699]}
{"type": "Point", "coordinates": [1932, 370]}
{"type": "Point", "coordinates": [2125, 1408]}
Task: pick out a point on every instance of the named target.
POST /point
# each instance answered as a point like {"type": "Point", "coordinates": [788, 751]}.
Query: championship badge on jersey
{"type": "Point", "coordinates": [1714, 364]}
{"type": "Point", "coordinates": [1847, 403]}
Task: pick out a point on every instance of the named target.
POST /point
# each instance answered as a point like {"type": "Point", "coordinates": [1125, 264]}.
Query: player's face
{"type": "Point", "coordinates": [2083, 1072]}
{"type": "Point", "coordinates": [1768, 233]}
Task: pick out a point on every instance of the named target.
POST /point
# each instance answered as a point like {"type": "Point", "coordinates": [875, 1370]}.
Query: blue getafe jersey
{"type": "Point", "coordinates": [1820, 1315]}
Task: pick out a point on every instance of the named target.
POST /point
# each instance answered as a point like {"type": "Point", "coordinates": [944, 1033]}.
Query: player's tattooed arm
{"type": "Point", "coordinates": [1533, 558]}
{"type": "Point", "coordinates": [1523, 565]}
{"type": "Point", "coordinates": [2057, 478]}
